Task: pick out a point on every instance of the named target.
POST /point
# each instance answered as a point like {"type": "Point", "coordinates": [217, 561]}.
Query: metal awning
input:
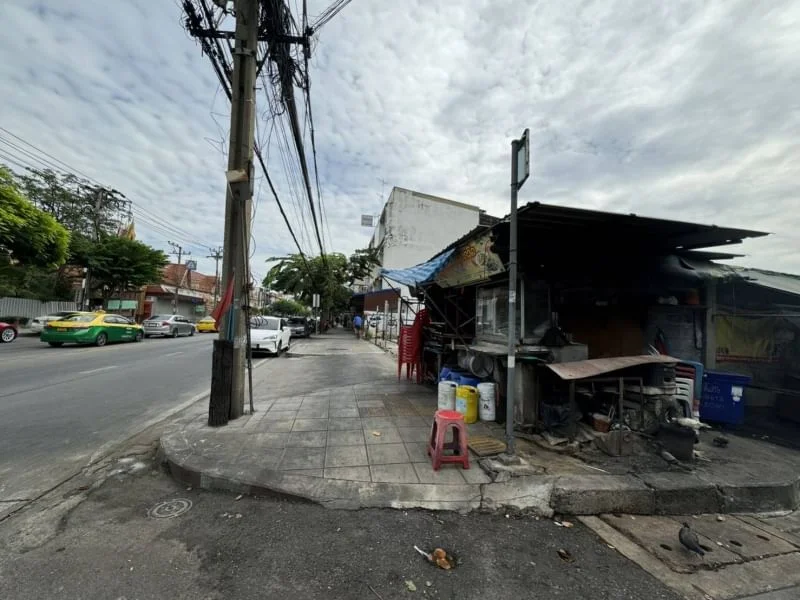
{"type": "Point", "coordinates": [418, 274]}
{"type": "Point", "coordinates": [581, 369]}
{"type": "Point", "coordinates": [782, 282]}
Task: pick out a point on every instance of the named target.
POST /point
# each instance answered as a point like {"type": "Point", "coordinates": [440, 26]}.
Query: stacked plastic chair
{"type": "Point", "coordinates": [409, 347]}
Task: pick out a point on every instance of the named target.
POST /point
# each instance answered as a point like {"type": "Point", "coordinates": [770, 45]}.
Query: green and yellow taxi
{"type": "Point", "coordinates": [98, 328]}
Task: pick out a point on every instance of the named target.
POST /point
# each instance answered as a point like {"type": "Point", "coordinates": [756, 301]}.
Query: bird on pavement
{"type": "Point", "coordinates": [689, 539]}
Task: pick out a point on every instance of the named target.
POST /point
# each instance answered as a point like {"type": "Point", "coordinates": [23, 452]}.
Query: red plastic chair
{"type": "Point", "coordinates": [442, 421]}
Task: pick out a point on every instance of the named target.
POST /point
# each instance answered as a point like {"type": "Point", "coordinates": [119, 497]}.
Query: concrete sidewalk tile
{"type": "Point", "coordinates": [302, 458]}
{"type": "Point", "coordinates": [307, 439]}
{"type": "Point", "coordinates": [387, 454]}
{"type": "Point", "coordinates": [475, 474]}
{"type": "Point", "coordinates": [378, 422]}
{"type": "Point", "coordinates": [314, 403]}
{"type": "Point", "coordinates": [310, 425]}
{"type": "Point", "coordinates": [366, 413]}
{"type": "Point", "coordinates": [414, 434]}
{"type": "Point", "coordinates": [370, 404]}
{"type": "Point", "coordinates": [343, 413]}
{"type": "Point", "coordinates": [417, 451]}
{"type": "Point", "coordinates": [412, 421]}
{"type": "Point", "coordinates": [403, 411]}
{"type": "Point", "coordinates": [336, 424]}
{"type": "Point", "coordinates": [306, 472]}
{"type": "Point", "coordinates": [265, 458]}
{"type": "Point", "coordinates": [350, 437]}
{"type": "Point", "coordinates": [320, 412]}
{"type": "Point", "coordinates": [349, 473]}
{"type": "Point", "coordinates": [285, 405]}
{"type": "Point", "coordinates": [393, 473]}
{"type": "Point", "coordinates": [426, 411]}
{"type": "Point", "coordinates": [447, 474]}
{"type": "Point", "coordinates": [346, 456]}
{"type": "Point", "coordinates": [279, 425]}
{"type": "Point", "coordinates": [386, 435]}
{"type": "Point", "coordinates": [268, 440]}
{"type": "Point", "coordinates": [281, 415]}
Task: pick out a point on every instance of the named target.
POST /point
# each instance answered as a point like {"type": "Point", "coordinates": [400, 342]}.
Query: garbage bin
{"type": "Point", "coordinates": [723, 397]}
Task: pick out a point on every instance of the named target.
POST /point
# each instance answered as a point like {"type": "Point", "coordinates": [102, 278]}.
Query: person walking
{"type": "Point", "coordinates": [357, 322]}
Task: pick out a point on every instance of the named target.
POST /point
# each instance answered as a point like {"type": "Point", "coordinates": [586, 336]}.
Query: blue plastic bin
{"type": "Point", "coordinates": [723, 397]}
{"type": "Point", "coordinates": [469, 380]}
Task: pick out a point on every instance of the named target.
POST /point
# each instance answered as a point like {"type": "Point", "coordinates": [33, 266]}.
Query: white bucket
{"type": "Point", "coordinates": [486, 407]}
{"type": "Point", "coordinates": [447, 395]}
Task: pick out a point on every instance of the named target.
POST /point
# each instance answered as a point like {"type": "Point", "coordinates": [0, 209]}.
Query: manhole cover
{"type": "Point", "coordinates": [170, 509]}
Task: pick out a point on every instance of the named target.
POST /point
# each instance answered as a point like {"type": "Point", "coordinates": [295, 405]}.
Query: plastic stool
{"type": "Point", "coordinates": [442, 421]}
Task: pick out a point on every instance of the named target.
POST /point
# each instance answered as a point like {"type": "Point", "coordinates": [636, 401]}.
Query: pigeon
{"type": "Point", "coordinates": [689, 539]}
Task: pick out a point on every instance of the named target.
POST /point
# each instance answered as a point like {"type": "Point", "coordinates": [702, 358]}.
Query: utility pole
{"type": "Point", "coordinates": [228, 373]}
{"type": "Point", "coordinates": [520, 169]}
{"type": "Point", "coordinates": [216, 254]}
{"type": "Point", "coordinates": [177, 250]}
{"type": "Point", "coordinates": [99, 196]}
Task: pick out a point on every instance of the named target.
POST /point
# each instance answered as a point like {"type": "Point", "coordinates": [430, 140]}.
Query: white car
{"type": "Point", "coordinates": [37, 325]}
{"type": "Point", "coordinates": [269, 335]}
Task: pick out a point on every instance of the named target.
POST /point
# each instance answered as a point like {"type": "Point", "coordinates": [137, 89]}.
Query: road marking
{"type": "Point", "coordinates": [173, 354]}
{"type": "Point", "coordinates": [90, 371]}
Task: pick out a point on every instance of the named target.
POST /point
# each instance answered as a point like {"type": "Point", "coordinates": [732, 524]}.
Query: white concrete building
{"type": "Point", "coordinates": [414, 226]}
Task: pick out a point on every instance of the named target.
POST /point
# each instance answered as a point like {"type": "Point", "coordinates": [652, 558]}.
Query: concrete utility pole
{"type": "Point", "coordinates": [228, 373]}
{"type": "Point", "coordinates": [519, 173]}
{"type": "Point", "coordinates": [177, 250]}
{"type": "Point", "coordinates": [216, 254]}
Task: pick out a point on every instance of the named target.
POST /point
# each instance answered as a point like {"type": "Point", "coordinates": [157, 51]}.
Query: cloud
{"type": "Point", "coordinates": [686, 111]}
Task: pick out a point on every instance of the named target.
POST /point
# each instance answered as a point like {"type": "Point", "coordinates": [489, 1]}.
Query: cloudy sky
{"type": "Point", "coordinates": [685, 109]}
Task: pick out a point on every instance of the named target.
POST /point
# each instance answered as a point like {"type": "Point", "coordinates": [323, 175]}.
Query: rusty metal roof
{"type": "Point", "coordinates": [581, 369]}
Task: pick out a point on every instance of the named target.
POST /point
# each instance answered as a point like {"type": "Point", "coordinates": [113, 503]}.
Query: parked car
{"type": "Point", "coordinates": [97, 328]}
{"type": "Point", "coordinates": [37, 325]}
{"type": "Point", "coordinates": [8, 332]}
{"type": "Point", "coordinates": [168, 325]}
{"type": "Point", "coordinates": [300, 326]}
{"type": "Point", "coordinates": [269, 335]}
{"type": "Point", "coordinates": [207, 325]}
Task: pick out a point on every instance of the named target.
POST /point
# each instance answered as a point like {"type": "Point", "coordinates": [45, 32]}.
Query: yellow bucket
{"type": "Point", "coordinates": [467, 402]}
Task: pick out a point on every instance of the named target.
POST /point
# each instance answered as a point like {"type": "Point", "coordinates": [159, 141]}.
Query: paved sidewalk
{"type": "Point", "coordinates": [333, 425]}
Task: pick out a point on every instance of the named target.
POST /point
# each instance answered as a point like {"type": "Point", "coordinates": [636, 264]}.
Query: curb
{"type": "Point", "coordinates": [543, 495]}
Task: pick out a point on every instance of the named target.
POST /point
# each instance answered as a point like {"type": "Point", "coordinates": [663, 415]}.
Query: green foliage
{"type": "Point", "coordinates": [119, 264]}
{"type": "Point", "coordinates": [80, 206]}
{"type": "Point", "coordinates": [327, 277]}
{"type": "Point", "coordinates": [28, 236]}
{"type": "Point", "coordinates": [286, 308]}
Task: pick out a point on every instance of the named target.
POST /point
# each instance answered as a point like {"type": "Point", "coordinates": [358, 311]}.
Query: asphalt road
{"type": "Point", "coordinates": [107, 547]}
{"type": "Point", "coordinates": [61, 408]}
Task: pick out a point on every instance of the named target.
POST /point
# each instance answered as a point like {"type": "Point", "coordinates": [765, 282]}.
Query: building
{"type": "Point", "coordinates": [413, 226]}
{"type": "Point", "coordinates": [196, 294]}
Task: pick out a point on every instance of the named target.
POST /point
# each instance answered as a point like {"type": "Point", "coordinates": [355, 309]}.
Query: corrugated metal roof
{"type": "Point", "coordinates": [581, 369]}
{"type": "Point", "coordinates": [783, 282]}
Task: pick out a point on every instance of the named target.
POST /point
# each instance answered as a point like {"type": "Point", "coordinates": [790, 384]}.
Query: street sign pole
{"type": "Point", "coordinates": [520, 169]}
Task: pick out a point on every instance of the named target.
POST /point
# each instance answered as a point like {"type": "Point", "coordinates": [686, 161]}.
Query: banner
{"type": "Point", "coordinates": [472, 262]}
{"type": "Point", "coordinates": [745, 338]}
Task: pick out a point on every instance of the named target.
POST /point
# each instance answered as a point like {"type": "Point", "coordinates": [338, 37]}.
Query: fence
{"type": "Point", "coordinates": [22, 310]}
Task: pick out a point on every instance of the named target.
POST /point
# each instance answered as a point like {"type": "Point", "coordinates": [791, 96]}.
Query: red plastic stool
{"type": "Point", "coordinates": [442, 421]}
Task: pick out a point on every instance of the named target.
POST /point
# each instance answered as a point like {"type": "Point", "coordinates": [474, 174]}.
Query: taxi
{"type": "Point", "coordinates": [207, 325]}
{"type": "Point", "coordinates": [97, 328]}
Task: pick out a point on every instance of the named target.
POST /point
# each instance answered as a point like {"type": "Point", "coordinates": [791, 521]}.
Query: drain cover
{"type": "Point", "coordinates": [170, 509]}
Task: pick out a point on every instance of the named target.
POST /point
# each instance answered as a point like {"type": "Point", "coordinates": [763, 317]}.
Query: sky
{"type": "Point", "coordinates": [686, 110]}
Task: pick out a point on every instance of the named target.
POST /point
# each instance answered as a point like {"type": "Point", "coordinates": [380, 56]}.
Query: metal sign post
{"type": "Point", "coordinates": [520, 170]}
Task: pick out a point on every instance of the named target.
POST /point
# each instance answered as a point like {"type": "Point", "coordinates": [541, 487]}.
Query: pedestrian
{"type": "Point", "coordinates": [357, 325]}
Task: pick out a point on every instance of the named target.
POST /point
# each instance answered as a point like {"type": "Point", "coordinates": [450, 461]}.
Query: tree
{"type": "Point", "coordinates": [119, 265]}
{"type": "Point", "coordinates": [28, 236]}
{"type": "Point", "coordinates": [286, 308]}
{"type": "Point", "coordinates": [328, 277]}
{"type": "Point", "coordinates": [82, 207]}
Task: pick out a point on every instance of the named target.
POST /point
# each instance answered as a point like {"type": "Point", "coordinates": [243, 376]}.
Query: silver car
{"type": "Point", "coordinates": [168, 325]}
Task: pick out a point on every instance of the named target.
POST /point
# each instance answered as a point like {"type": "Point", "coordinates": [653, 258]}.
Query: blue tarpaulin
{"type": "Point", "coordinates": [418, 274]}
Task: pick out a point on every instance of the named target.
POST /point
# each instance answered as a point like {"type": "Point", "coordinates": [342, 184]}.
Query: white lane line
{"type": "Point", "coordinates": [173, 354]}
{"type": "Point", "coordinates": [90, 371]}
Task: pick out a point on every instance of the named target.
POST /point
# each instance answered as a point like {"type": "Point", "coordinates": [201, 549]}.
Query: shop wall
{"type": "Point", "coordinates": [682, 328]}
